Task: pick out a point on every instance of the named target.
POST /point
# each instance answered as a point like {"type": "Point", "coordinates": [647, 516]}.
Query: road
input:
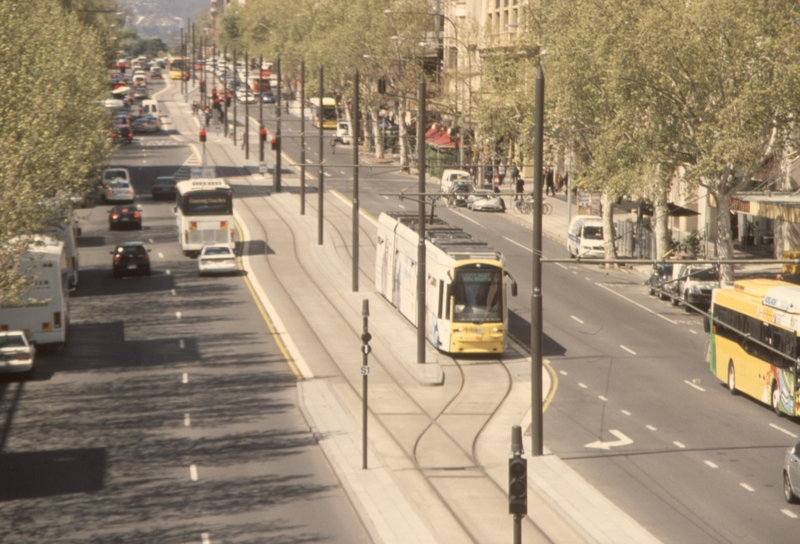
{"type": "Point", "coordinates": [171, 415]}
{"type": "Point", "coordinates": [696, 464]}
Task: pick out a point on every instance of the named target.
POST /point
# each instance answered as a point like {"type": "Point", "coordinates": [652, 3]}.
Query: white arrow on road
{"type": "Point", "coordinates": [623, 441]}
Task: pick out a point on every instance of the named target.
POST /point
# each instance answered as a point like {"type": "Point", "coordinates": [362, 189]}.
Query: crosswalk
{"type": "Point", "coordinates": [158, 142]}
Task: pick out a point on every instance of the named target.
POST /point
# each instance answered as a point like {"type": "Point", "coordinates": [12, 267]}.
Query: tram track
{"type": "Point", "coordinates": [416, 451]}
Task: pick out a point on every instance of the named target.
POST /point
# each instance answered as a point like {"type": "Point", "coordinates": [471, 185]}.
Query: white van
{"type": "Point", "coordinates": [450, 176]}
{"type": "Point", "coordinates": [149, 107]}
{"type": "Point", "coordinates": [585, 237]}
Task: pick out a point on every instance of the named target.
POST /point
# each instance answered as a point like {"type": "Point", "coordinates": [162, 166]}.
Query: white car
{"type": "Point", "coordinates": [245, 96]}
{"type": "Point", "coordinates": [216, 259]}
{"type": "Point", "coordinates": [484, 200]}
{"type": "Point", "coordinates": [118, 191]}
{"type": "Point", "coordinates": [110, 174]}
{"type": "Point", "coordinates": [16, 352]}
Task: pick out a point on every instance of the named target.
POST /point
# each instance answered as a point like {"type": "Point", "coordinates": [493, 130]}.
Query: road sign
{"type": "Point", "coordinates": [365, 370]}
{"type": "Point", "coordinates": [262, 168]}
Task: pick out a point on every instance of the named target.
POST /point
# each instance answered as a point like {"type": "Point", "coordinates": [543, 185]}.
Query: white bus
{"type": "Point", "coordinates": [330, 116]}
{"type": "Point", "coordinates": [41, 311]}
{"type": "Point", "coordinates": [66, 230]}
{"type": "Point", "coordinates": [465, 288]}
{"type": "Point", "coordinates": [204, 210]}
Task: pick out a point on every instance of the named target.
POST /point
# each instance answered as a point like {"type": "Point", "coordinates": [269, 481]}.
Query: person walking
{"type": "Point", "coordinates": [519, 187]}
{"type": "Point", "coordinates": [549, 182]}
{"type": "Point", "coordinates": [513, 173]}
{"type": "Point", "coordinates": [501, 173]}
{"type": "Point", "coordinates": [208, 115]}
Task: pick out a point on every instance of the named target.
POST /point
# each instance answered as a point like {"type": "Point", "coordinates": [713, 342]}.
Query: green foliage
{"type": "Point", "coordinates": [52, 130]}
{"type": "Point", "coordinates": [151, 48]}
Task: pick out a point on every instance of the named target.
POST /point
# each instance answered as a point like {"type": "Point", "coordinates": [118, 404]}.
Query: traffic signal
{"type": "Point", "coordinates": [262, 134]}
{"type": "Point", "coordinates": [518, 486]}
{"type": "Point", "coordinates": [274, 143]}
{"type": "Point", "coordinates": [203, 136]}
{"type": "Point", "coordinates": [382, 85]}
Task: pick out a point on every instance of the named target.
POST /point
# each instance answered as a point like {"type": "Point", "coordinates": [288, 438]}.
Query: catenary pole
{"type": "Point", "coordinates": [354, 139]}
{"type": "Point", "coordinates": [537, 434]}
{"type": "Point", "coordinates": [321, 174]}
{"type": "Point", "coordinates": [302, 136]}
{"type": "Point", "coordinates": [421, 227]}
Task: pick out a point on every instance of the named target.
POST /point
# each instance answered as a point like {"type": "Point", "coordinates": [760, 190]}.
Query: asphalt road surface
{"type": "Point", "coordinates": [170, 415]}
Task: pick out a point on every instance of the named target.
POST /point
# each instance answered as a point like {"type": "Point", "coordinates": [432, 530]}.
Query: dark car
{"type": "Point", "coordinates": [148, 123]}
{"type": "Point", "coordinates": [268, 97]}
{"type": "Point", "coordinates": [460, 192]}
{"type": "Point", "coordinates": [122, 135]}
{"type": "Point", "coordinates": [658, 282]}
{"type": "Point", "coordinates": [124, 216]}
{"type": "Point", "coordinates": [130, 258]}
{"type": "Point", "coordinates": [163, 187]}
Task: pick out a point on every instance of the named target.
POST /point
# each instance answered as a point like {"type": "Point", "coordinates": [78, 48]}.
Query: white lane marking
{"type": "Point", "coordinates": [622, 440]}
{"type": "Point", "coordinates": [386, 197]}
{"type": "Point", "coordinates": [169, 271]}
{"type": "Point", "coordinates": [178, 315]}
{"type": "Point", "coordinates": [562, 372]}
{"type": "Point", "coordinates": [181, 343]}
{"type": "Point", "coordinates": [789, 513]}
{"type": "Point", "coordinates": [692, 331]}
{"type": "Point", "coordinates": [187, 420]}
{"type": "Point", "coordinates": [173, 292]}
{"type": "Point", "coordinates": [575, 272]}
{"type": "Point", "coordinates": [687, 382]}
{"type": "Point", "coordinates": [679, 444]}
{"type": "Point", "coordinates": [583, 385]}
{"type": "Point", "coordinates": [150, 240]}
{"type": "Point", "coordinates": [576, 319]}
{"type": "Point", "coordinates": [747, 487]}
{"type": "Point", "coordinates": [469, 219]}
{"type": "Point", "coordinates": [160, 255]}
{"type": "Point", "coordinates": [204, 538]}
{"type": "Point", "coordinates": [783, 430]}
{"type": "Point", "coordinates": [629, 350]}
{"type": "Point", "coordinates": [185, 378]}
{"type": "Point", "coordinates": [193, 473]}
{"type": "Point", "coordinates": [560, 265]}
{"type": "Point", "coordinates": [601, 397]}
{"type": "Point", "coordinates": [650, 427]}
{"type": "Point", "coordinates": [587, 279]}
{"type": "Point", "coordinates": [402, 207]}
{"type": "Point", "coordinates": [712, 464]}
{"type": "Point", "coordinates": [627, 413]}
{"type": "Point", "coordinates": [636, 304]}
{"type": "Point", "coordinates": [326, 174]}
{"type": "Point", "coordinates": [529, 250]}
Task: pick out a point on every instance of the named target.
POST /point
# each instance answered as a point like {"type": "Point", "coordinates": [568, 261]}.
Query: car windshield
{"type": "Point", "coordinates": [12, 341]}
{"type": "Point", "coordinates": [166, 182]}
{"type": "Point", "coordinates": [477, 294]}
{"type": "Point", "coordinates": [706, 274]}
{"type": "Point", "coordinates": [111, 174]}
{"type": "Point", "coordinates": [131, 250]}
{"type": "Point", "coordinates": [592, 232]}
{"type": "Point", "coordinates": [217, 251]}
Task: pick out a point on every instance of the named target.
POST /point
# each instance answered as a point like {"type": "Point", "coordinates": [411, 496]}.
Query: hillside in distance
{"type": "Point", "coordinates": [162, 18]}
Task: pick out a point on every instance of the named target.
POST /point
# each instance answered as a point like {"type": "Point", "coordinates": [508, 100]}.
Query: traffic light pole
{"type": "Point", "coordinates": [517, 483]}
{"type": "Point", "coordinates": [365, 350]}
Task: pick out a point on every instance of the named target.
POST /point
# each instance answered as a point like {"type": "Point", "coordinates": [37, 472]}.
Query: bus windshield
{"type": "Point", "coordinates": [478, 295]}
{"type": "Point", "coordinates": [206, 203]}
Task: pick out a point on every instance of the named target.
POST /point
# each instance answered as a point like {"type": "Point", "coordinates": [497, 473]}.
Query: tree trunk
{"type": "Point", "coordinates": [609, 235]}
{"type": "Point", "coordinates": [376, 132]}
{"type": "Point", "coordinates": [403, 135]}
{"type": "Point", "coordinates": [661, 222]}
{"type": "Point", "coordinates": [724, 236]}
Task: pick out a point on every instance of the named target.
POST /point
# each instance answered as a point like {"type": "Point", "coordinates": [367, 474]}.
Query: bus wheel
{"type": "Point", "coordinates": [731, 378]}
{"type": "Point", "coordinates": [776, 399]}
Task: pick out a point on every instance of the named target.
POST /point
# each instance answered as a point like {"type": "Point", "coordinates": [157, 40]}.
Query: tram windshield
{"type": "Point", "coordinates": [478, 294]}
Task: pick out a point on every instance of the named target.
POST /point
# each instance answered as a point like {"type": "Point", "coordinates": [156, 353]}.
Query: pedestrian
{"type": "Point", "coordinates": [565, 181]}
{"type": "Point", "coordinates": [513, 172]}
{"type": "Point", "coordinates": [208, 115]}
{"type": "Point", "coordinates": [496, 188]}
{"type": "Point", "coordinates": [550, 186]}
{"type": "Point", "coordinates": [501, 173]}
{"type": "Point", "coordinates": [519, 187]}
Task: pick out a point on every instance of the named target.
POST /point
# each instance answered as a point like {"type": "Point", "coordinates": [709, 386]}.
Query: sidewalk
{"type": "Point", "coordinates": [393, 499]}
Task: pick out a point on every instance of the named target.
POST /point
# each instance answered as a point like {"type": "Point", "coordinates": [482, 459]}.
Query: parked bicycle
{"type": "Point", "coordinates": [524, 205]}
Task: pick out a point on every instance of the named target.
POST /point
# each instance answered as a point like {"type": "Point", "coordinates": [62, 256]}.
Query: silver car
{"type": "Point", "coordinates": [791, 474]}
{"type": "Point", "coordinates": [485, 201]}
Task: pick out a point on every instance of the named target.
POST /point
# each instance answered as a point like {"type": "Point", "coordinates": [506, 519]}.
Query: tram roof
{"type": "Point", "coordinates": [450, 239]}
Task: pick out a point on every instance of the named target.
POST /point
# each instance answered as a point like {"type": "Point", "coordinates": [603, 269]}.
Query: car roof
{"type": "Point", "coordinates": [131, 244]}
{"type": "Point", "coordinates": [165, 178]}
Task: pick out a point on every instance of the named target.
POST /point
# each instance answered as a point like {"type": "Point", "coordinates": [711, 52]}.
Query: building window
{"type": "Point", "coordinates": [496, 4]}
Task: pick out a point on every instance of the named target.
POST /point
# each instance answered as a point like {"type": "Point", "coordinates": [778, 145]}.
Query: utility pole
{"type": "Point", "coordinates": [321, 174]}
{"type": "Point", "coordinates": [260, 111]}
{"type": "Point", "coordinates": [185, 61]}
{"type": "Point", "coordinates": [354, 137]}
{"type": "Point", "coordinates": [302, 136]}
{"type": "Point", "coordinates": [246, 107]}
{"type": "Point", "coordinates": [235, 77]}
{"type": "Point", "coordinates": [277, 176]}
{"type": "Point", "coordinates": [225, 89]}
{"type": "Point", "coordinates": [421, 224]}
{"type": "Point", "coordinates": [537, 434]}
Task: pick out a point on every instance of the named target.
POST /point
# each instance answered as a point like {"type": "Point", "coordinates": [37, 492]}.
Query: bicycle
{"type": "Point", "coordinates": [524, 205]}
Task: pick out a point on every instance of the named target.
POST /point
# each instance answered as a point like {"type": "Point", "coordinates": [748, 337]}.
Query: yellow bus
{"type": "Point", "coordinates": [330, 116]}
{"type": "Point", "coordinates": [753, 345]}
{"type": "Point", "coordinates": [176, 68]}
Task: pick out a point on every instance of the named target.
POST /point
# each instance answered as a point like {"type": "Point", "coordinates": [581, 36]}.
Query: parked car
{"type": "Point", "coordinates": [118, 191]}
{"type": "Point", "coordinates": [585, 237]}
{"type": "Point", "coordinates": [484, 200]}
{"type": "Point", "coordinates": [216, 259]}
{"type": "Point", "coordinates": [124, 216]}
{"type": "Point", "coordinates": [694, 284]}
{"type": "Point", "coordinates": [164, 187]}
{"type": "Point", "coordinates": [660, 281]}
{"type": "Point", "coordinates": [16, 353]}
{"type": "Point", "coordinates": [450, 176]}
{"type": "Point", "coordinates": [460, 192]}
{"type": "Point", "coordinates": [791, 474]}
{"type": "Point", "coordinates": [130, 258]}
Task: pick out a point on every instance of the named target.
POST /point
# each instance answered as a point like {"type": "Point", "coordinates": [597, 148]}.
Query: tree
{"type": "Point", "coordinates": [52, 128]}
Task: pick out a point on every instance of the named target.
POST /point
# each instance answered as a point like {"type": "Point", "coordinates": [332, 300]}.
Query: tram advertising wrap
{"type": "Point", "coordinates": [465, 309]}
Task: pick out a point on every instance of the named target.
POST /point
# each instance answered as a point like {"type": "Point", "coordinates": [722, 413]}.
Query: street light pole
{"type": "Point", "coordinates": [321, 174]}
{"type": "Point", "coordinates": [421, 224]}
{"type": "Point", "coordinates": [354, 138]}
{"type": "Point", "coordinates": [260, 110]}
{"type": "Point", "coordinates": [278, 146]}
{"type": "Point", "coordinates": [246, 136]}
{"type": "Point", "coordinates": [537, 434]}
{"type": "Point", "coordinates": [302, 136]}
